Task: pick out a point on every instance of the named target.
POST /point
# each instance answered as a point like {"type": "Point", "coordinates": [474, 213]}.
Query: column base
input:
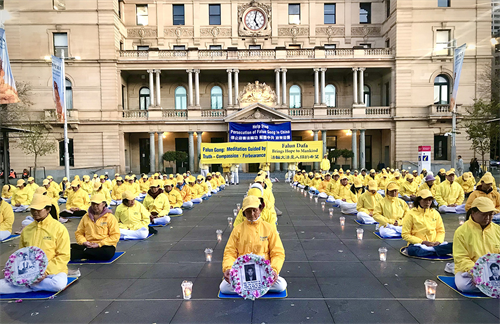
{"type": "Point", "coordinates": [358, 105]}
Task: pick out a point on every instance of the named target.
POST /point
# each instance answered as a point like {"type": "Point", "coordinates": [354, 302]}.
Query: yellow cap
{"type": "Point", "coordinates": [191, 179]}
{"type": "Point", "coordinates": [484, 204]}
{"type": "Point", "coordinates": [259, 179]}
{"type": "Point", "coordinates": [128, 195]}
{"type": "Point", "coordinates": [392, 186]}
{"type": "Point", "coordinates": [95, 175]}
{"type": "Point", "coordinates": [487, 179]}
{"type": "Point", "coordinates": [184, 175]}
{"type": "Point", "coordinates": [97, 198]}
{"type": "Point", "coordinates": [442, 170]}
{"type": "Point", "coordinates": [75, 183]}
{"type": "Point", "coordinates": [255, 192]}
{"type": "Point", "coordinates": [155, 175]}
{"type": "Point", "coordinates": [50, 177]}
{"type": "Point", "coordinates": [39, 202]}
{"type": "Point", "coordinates": [392, 170]}
{"type": "Point", "coordinates": [209, 174]}
{"type": "Point", "coordinates": [127, 177]}
{"type": "Point", "coordinates": [31, 179]}
{"type": "Point", "coordinates": [358, 183]}
{"type": "Point", "coordinates": [132, 176]}
{"type": "Point", "coordinates": [179, 179]}
{"type": "Point", "coordinates": [199, 177]}
{"type": "Point", "coordinates": [415, 171]}
{"type": "Point", "coordinates": [397, 174]}
{"type": "Point", "coordinates": [171, 176]}
{"type": "Point", "coordinates": [250, 202]}
{"type": "Point", "coordinates": [168, 183]}
{"type": "Point", "coordinates": [119, 179]}
{"type": "Point", "coordinates": [155, 183]}
{"type": "Point", "coordinates": [424, 169]}
{"type": "Point", "coordinates": [102, 177]}
{"type": "Point", "coordinates": [328, 174]}
{"type": "Point", "coordinates": [117, 174]}
{"type": "Point", "coordinates": [372, 171]}
{"type": "Point", "coordinates": [144, 176]}
{"type": "Point", "coordinates": [45, 182]}
{"type": "Point", "coordinates": [310, 174]}
{"type": "Point", "coordinates": [65, 179]}
{"type": "Point", "coordinates": [348, 171]}
{"type": "Point", "coordinates": [85, 177]}
{"type": "Point", "coordinates": [303, 171]}
{"type": "Point", "coordinates": [20, 182]}
{"type": "Point", "coordinates": [372, 185]}
{"type": "Point", "coordinates": [385, 175]}
{"type": "Point", "coordinates": [344, 177]}
{"type": "Point", "coordinates": [424, 193]}
{"type": "Point", "coordinates": [40, 190]}
{"type": "Point", "coordinates": [217, 173]}
{"type": "Point", "coordinates": [317, 175]}
{"type": "Point", "coordinates": [466, 176]}
{"type": "Point", "coordinates": [340, 171]}
{"type": "Point", "coordinates": [97, 185]}
{"type": "Point", "coordinates": [409, 177]}
{"type": "Point", "coordinates": [450, 172]}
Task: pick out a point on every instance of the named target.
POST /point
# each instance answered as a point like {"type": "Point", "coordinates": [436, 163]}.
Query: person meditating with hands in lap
{"type": "Point", "coordinates": [254, 236]}
{"type": "Point", "coordinates": [389, 212]}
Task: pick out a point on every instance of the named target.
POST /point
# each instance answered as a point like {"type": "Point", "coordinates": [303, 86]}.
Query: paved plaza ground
{"type": "Point", "coordinates": [332, 277]}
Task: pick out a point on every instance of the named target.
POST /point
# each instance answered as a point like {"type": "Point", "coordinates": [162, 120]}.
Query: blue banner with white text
{"type": "Point", "coordinates": [258, 132]}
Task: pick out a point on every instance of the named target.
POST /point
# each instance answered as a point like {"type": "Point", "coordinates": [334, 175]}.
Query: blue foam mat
{"type": "Point", "coordinates": [450, 282]}
{"type": "Point", "coordinates": [113, 259]}
{"type": "Point", "coordinates": [37, 294]}
{"type": "Point", "coordinates": [269, 295]}
{"type": "Point", "coordinates": [377, 234]}
{"type": "Point", "coordinates": [158, 225]}
{"type": "Point", "coordinates": [434, 258]}
{"type": "Point", "coordinates": [10, 238]}
{"type": "Point", "coordinates": [363, 224]}
{"type": "Point", "coordinates": [137, 239]}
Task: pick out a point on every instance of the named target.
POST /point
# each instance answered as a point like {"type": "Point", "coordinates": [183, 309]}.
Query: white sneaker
{"type": "Point", "coordinates": [450, 268]}
{"type": "Point", "coordinates": [63, 220]}
{"type": "Point", "coordinates": [74, 273]}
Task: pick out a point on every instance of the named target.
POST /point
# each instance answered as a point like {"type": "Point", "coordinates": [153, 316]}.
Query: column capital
{"type": "Point", "coordinates": [315, 131]}
{"type": "Point", "coordinates": [196, 70]}
{"type": "Point", "coordinates": [361, 69]}
{"type": "Point", "coordinates": [229, 70]}
{"type": "Point", "coordinates": [362, 130]}
{"type": "Point", "coordinates": [150, 71]}
{"type": "Point", "coordinates": [277, 70]}
{"type": "Point", "coordinates": [190, 70]}
{"type": "Point", "coordinates": [283, 70]}
{"type": "Point", "coordinates": [355, 69]}
{"type": "Point", "coordinates": [236, 70]}
{"type": "Point", "coordinates": [157, 71]}
{"type": "Point", "coordinates": [317, 69]}
{"type": "Point", "coordinates": [152, 133]}
{"type": "Point", "coordinates": [322, 69]}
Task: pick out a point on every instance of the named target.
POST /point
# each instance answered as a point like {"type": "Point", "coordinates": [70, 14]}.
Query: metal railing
{"type": "Point", "coordinates": [300, 112]}
{"type": "Point", "coordinates": [339, 112]}
{"type": "Point", "coordinates": [213, 113]}
{"type": "Point", "coordinates": [139, 114]}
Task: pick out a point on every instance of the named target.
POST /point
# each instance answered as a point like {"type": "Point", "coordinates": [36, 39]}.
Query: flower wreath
{"type": "Point", "coordinates": [267, 278]}
{"type": "Point", "coordinates": [11, 273]}
{"type": "Point", "coordinates": [477, 273]}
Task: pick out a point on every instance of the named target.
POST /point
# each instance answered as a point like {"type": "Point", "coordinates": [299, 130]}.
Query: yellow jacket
{"type": "Point", "coordinates": [220, 180]}
{"type": "Point", "coordinates": [196, 190]}
{"type": "Point", "coordinates": [53, 238]}
{"type": "Point", "coordinates": [423, 225]}
{"type": "Point", "coordinates": [265, 166]}
{"type": "Point", "coordinates": [389, 210]}
{"type": "Point", "coordinates": [297, 177]}
{"type": "Point", "coordinates": [448, 194]}
{"type": "Point", "coordinates": [226, 167]}
{"type": "Point", "coordinates": [159, 205]}
{"type": "Point", "coordinates": [382, 183]}
{"type": "Point", "coordinates": [175, 199]}
{"type": "Point", "coordinates": [103, 231]}
{"type": "Point", "coordinates": [369, 178]}
{"type": "Point", "coordinates": [426, 186]}
{"type": "Point", "coordinates": [343, 192]}
{"type": "Point", "coordinates": [258, 238]}
{"type": "Point", "coordinates": [316, 183]}
{"type": "Point", "coordinates": [8, 191]}
{"type": "Point", "coordinates": [325, 165]}
{"type": "Point", "coordinates": [493, 195]}
{"type": "Point", "coordinates": [214, 183]}
{"type": "Point", "coordinates": [367, 201]}
{"type": "Point", "coordinates": [330, 188]}
{"type": "Point", "coordinates": [204, 187]}
{"type": "Point", "coordinates": [144, 185]}
{"type": "Point", "coordinates": [408, 189]}
{"type": "Point", "coordinates": [79, 199]}
{"type": "Point", "coordinates": [6, 217]}
{"type": "Point", "coordinates": [56, 186]}
{"type": "Point", "coordinates": [21, 196]}
{"type": "Point", "coordinates": [323, 186]}
{"type": "Point", "coordinates": [471, 242]}
{"type": "Point", "coordinates": [106, 194]}
{"type": "Point", "coordinates": [265, 215]}
{"type": "Point", "coordinates": [116, 194]}
{"type": "Point", "coordinates": [32, 187]}
{"type": "Point", "coordinates": [269, 197]}
{"type": "Point", "coordinates": [132, 218]}
{"type": "Point", "coordinates": [88, 187]}
{"type": "Point", "coordinates": [467, 186]}
{"type": "Point", "coordinates": [186, 193]}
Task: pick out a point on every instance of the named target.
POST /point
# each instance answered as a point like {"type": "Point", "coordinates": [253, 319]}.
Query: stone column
{"type": "Point", "coordinates": [354, 149]}
{"type": "Point", "coordinates": [191, 151]}
{"type": "Point", "coordinates": [197, 87]}
{"type": "Point", "coordinates": [198, 146]}
{"type": "Point", "coordinates": [316, 86]}
{"type": "Point", "coordinates": [229, 88]}
{"type": "Point", "coordinates": [355, 85]}
{"type": "Point", "coordinates": [361, 89]}
{"type": "Point", "coordinates": [323, 138]}
{"type": "Point", "coordinates": [278, 93]}
{"type": "Point", "coordinates": [283, 79]}
{"type": "Point", "coordinates": [158, 94]}
{"type": "Point", "coordinates": [362, 149]}
{"type": "Point", "coordinates": [236, 86]}
{"type": "Point", "coordinates": [315, 138]}
{"type": "Point", "coordinates": [151, 89]}
{"type": "Point", "coordinates": [323, 85]}
{"type": "Point", "coordinates": [160, 152]}
{"type": "Point", "coordinates": [152, 160]}
{"type": "Point", "coordinates": [393, 87]}
{"type": "Point", "coordinates": [190, 87]}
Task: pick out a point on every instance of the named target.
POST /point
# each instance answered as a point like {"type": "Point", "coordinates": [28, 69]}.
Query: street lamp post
{"type": "Point", "coordinates": [453, 114]}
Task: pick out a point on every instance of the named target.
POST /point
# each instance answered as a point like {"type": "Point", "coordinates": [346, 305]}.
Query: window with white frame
{"type": "Point", "coordinates": [180, 98]}
{"type": "Point", "coordinates": [331, 96]}
{"type": "Point", "coordinates": [142, 14]}
{"type": "Point", "coordinates": [216, 97]}
{"type": "Point", "coordinates": [295, 97]}
{"type": "Point", "coordinates": [442, 42]}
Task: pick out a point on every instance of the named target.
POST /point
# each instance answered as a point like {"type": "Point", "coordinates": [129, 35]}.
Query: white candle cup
{"type": "Point", "coordinates": [208, 254]}
{"type": "Point", "coordinates": [310, 197]}
{"type": "Point", "coordinates": [316, 199]}
{"type": "Point", "coordinates": [301, 190]}
{"type": "Point", "coordinates": [359, 233]}
{"type": "Point", "coordinates": [235, 212]}
{"type": "Point", "coordinates": [187, 289]}
{"type": "Point", "coordinates": [382, 252]}
{"type": "Point", "coordinates": [238, 206]}
{"type": "Point", "coordinates": [219, 235]}
{"type": "Point", "coordinates": [230, 221]}
{"type": "Point", "coordinates": [342, 221]}
{"type": "Point", "coordinates": [461, 220]}
{"type": "Point", "coordinates": [410, 204]}
{"type": "Point", "coordinates": [305, 193]}
{"type": "Point", "coordinates": [430, 289]}
{"type": "Point", "coordinates": [330, 211]}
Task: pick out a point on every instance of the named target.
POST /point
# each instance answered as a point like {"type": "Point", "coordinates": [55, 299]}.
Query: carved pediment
{"type": "Point", "coordinates": [257, 112]}
{"type": "Point", "coordinates": [257, 93]}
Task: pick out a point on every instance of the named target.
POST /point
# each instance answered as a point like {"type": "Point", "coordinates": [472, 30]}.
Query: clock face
{"type": "Point", "coordinates": [255, 19]}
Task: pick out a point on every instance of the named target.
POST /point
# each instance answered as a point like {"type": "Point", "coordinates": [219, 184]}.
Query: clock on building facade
{"type": "Point", "coordinates": [254, 19]}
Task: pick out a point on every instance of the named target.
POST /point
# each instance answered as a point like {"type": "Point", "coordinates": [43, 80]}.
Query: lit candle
{"type": "Point", "coordinates": [208, 254]}
{"type": "Point", "coordinates": [219, 235]}
{"type": "Point", "coordinates": [187, 289]}
{"type": "Point", "coordinates": [238, 206]}
{"type": "Point", "coordinates": [430, 289]}
{"type": "Point", "coordinates": [382, 252]}
{"type": "Point", "coordinates": [410, 204]}
{"type": "Point", "coordinates": [316, 199]}
{"type": "Point", "coordinates": [301, 190]}
{"type": "Point", "coordinates": [342, 221]}
{"type": "Point", "coordinates": [461, 220]}
{"type": "Point", "coordinates": [230, 221]}
{"type": "Point", "coordinates": [310, 197]}
{"type": "Point", "coordinates": [330, 211]}
{"type": "Point", "coordinates": [235, 212]}
{"type": "Point", "coordinates": [305, 193]}
{"type": "Point", "coordinates": [359, 233]}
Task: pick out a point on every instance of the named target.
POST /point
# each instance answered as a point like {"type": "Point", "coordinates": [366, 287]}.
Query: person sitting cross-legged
{"type": "Point", "coordinates": [356, 190]}
{"type": "Point", "coordinates": [408, 189]}
{"type": "Point", "coordinates": [133, 218]}
{"type": "Point", "coordinates": [423, 228]}
{"type": "Point", "coordinates": [21, 197]}
{"type": "Point", "coordinates": [366, 203]}
{"type": "Point", "coordinates": [78, 202]}
{"type": "Point", "coordinates": [101, 188]}
{"type": "Point", "coordinates": [117, 191]}
{"type": "Point", "coordinates": [196, 190]}
{"type": "Point", "coordinates": [323, 186]}
{"type": "Point", "coordinates": [7, 191]}
{"type": "Point", "coordinates": [315, 183]}
{"type": "Point", "coordinates": [389, 212]}
{"type": "Point", "coordinates": [52, 237]}
{"type": "Point", "coordinates": [6, 219]}
{"type": "Point", "coordinates": [157, 204]}
{"type": "Point", "coordinates": [450, 195]}
{"type": "Point", "coordinates": [98, 232]}
{"type": "Point", "coordinates": [268, 214]}
{"type": "Point", "coordinates": [341, 193]}
{"type": "Point", "coordinates": [243, 240]}
{"type": "Point", "coordinates": [476, 237]}
{"type": "Point", "coordinates": [205, 190]}
{"type": "Point", "coordinates": [185, 192]}
{"type": "Point", "coordinates": [485, 189]}
{"type": "Point", "coordinates": [174, 198]}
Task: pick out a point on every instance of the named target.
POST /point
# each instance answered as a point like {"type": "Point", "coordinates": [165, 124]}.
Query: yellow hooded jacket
{"type": "Point", "coordinates": [116, 194]}
{"type": "Point", "coordinates": [21, 197]}
{"type": "Point", "coordinates": [79, 199]}
{"type": "Point", "coordinates": [132, 218]}
{"type": "Point", "coordinates": [367, 201]}
{"type": "Point", "coordinates": [448, 194]}
{"type": "Point", "coordinates": [159, 205]}
{"type": "Point", "coordinates": [175, 199]}
{"type": "Point", "coordinates": [493, 195]}
{"type": "Point", "coordinates": [6, 217]}
{"type": "Point", "coordinates": [424, 186]}
{"type": "Point", "coordinates": [103, 231]}
{"type": "Point", "coordinates": [325, 165]}
{"type": "Point", "coordinates": [266, 215]}
{"type": "Point", "coordinates": [408, 189]}
{"type": "Point", "coordinates": [423, 225]}
{"type": "Point", "coordinates": [105, 193]}
{"type": "Point", "coordinates": [186, 193]}
{"type": "Point", "coordinates": [389, 210]}
{"type": "Point", "coordinates": [343, 192]}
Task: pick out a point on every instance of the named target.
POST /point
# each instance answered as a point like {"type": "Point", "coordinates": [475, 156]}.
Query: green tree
{"type": "Point", "coordinates": [36, 141]}
{"type": "Point", "coordinates": [347, 154]}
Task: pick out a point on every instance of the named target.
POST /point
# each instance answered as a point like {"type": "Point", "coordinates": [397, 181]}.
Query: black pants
{"type": "Point", "coordinates": [103, 253]}
{"type": "Point", "coordinates": [79, 213]}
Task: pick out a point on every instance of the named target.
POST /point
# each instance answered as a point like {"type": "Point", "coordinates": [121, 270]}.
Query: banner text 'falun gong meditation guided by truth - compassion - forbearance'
{"type": "Point", "coordinates": [259, 152]}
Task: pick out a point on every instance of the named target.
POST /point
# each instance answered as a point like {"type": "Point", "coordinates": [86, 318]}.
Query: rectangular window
{"type": "Point", "coordinates": [123, 97]}
{"type": "Point", "coordinates": [215, 47]}
{"type": "Point", "coordinates": [329, 13]}
{"type": "Point", "coordinates": [387, 8]}
{"type": "Point", "coordinates": [387, 94]}
{"type": "Point", "coordinates": [70, 152]}
{"type": "Point", "coordinates": [330, 46]}
{"type": "Point", "coordinates": [365, 45]}
{"type": "Point", "coordinates": [440, 147]}
{"type": "Point", "coordinates": [178, 11]}
{"type": "Point", "coordinates": [387, 43]}
{"type": "Point", "coordinates": [61, 44]}
{"type": "Point", "coordinates": [442, 42]}
{"type": "Point", "coordinates": [294, 13]}
{"type": "Point", "coordinates": [143, 48]}
{"type": "Point", "coordinates": [142, 14]}
{"type": "Point", "coordinates": [214, 14]}
{"type": "Point", "coordinates": [179, 47]}
{"type": "Point", "coordinates": [254, 47]}
{"type": "Point", "coordinates": [365, 13]}
{"type": "Point", "coordinates": [444, 3]}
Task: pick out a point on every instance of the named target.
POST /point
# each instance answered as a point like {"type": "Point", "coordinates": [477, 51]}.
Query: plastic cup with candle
{"type": "Point", "coordinates": [330, 212]}
{"type": "Point", "coordinates": [187, 289]}
{"type": "Point", "coordinates": [301, 190]}
{"type": "Point", "coordinates": [342, 221]}
{"type": "Point", "coordinates": [235, 212]}
{"type": "Point", "coordinates": [305, 193]}
{"type": "Point", "coordinates": [410, 204]}
{"type": "Point", "coordinates": [359, 233]}
{"type": "Point", "coordinates": [208, 254]}
{"type": "Point", "coordinates": [238, 206]}
{"type": "Point", "coordinates": [316, 199]}
{"type": "Point", "coordinates": [382, 252]}
{"type": "Point", "coordinates": [430, 289]}
{"type": "Point", "coordinates": [230, 221]}
{"type": "Point", "coordinates": [461, 220]}
{"type": "Point", "coordinates": [219, 235]}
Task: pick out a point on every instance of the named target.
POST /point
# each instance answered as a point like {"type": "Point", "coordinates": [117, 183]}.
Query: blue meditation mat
{"type": "Point", "coordinates": [450, 282]}
{"type": "Point", "coordinates": [10, 238]}
{"type": "Point", "coordinates": [359, 223]}
{"type": "Point", "coordinates": [137, 239]}
{"type": "Point", "coordinates": [158, 225]}
{"type": "Point", "coordinates": [196, 203]}
{"type": "Point", "coordinates": [176, 215]}
{"type": "Point", "coordinates": [377, 234]}
{"type": "Point", "coordinates": [269, 295]}
{"type": "Point", "coordinates": [85, 261]}
{"type": "Point", "coordinates": [37, 294]}
{"type": "Point", "coordinates": [404, 252]}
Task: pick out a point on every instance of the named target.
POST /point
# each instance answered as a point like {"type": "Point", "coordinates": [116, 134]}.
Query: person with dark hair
{"type": "Point", "coordinates": [423, 228]}
{"type": "Point", "coordinates": [495, 271]}
{"type": "Point", "coordinates": [366, 203]}
{"type": "Point", "coordinates": [133, 218]}
{"type": "Point", "coordinates": [6, 219]}
{"type": "Point", "coordinates": [485, 189]}
{"type": "Point", "coordinates": [356, 191]}
{"type": "Point", "coordinates": [389, 212]}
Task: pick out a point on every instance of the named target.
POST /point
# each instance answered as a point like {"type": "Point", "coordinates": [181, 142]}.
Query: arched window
{"type": "Point", "coordinates": [144, 98]}
{"type": "Point", "coordinates": [295, 100]}
{"type": "Point", "coordinates": [216, 97]}
{"type": "Point", "coordinates": [367, 95]}
{"type": "Point", "coordinates": [180, 98]}
{"type": "Point", "coordinates": [69, 95]}
{"type": "Point", "coordinates": [331, 96]}
{"type": "Point", "coordinates": [442, 90]}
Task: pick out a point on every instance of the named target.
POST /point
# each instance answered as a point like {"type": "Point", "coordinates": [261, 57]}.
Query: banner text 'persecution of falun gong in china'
{"type": "Point", "coordinates": [259, 152]}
